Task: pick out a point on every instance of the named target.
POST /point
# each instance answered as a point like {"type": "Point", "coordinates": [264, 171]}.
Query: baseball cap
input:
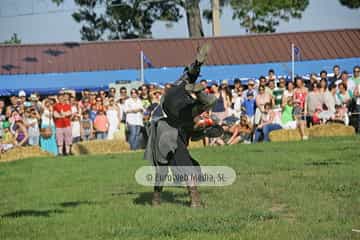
{"type": "Point", "coordinates": [22, 93]}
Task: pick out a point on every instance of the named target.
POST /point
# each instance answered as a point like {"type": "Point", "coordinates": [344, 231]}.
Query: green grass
{"type": "Point", "coordinates": [299, 190]}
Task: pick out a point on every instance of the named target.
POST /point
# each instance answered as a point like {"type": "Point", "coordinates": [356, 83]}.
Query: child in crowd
{"type": "Point", "coordinates": [32, 123]}
{"type": "Point", "coordinates": [93, 112]}
{"type": "Point", "coordinates": [101, 124]}
{"type": "Point", "coordinates": [249, 105]}
{"type": "Point", "coordinates": [315, 118]}
{"type": "Point", "coordinates": [75, 127]}
{"type": "Point", "coordinates": [86, 127]}
{"type": "Point", "coordinates": [339, 115]}
{"type": "Point", "coordinates": [7, 141]}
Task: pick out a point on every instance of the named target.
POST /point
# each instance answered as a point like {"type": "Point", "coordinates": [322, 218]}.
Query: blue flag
{"type": "Point", "coordinates": [297, 53]}
{"type": "Point", "coordinates": [147, 61]}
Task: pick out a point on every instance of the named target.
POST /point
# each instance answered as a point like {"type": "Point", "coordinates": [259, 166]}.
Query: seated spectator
{"type": "Point", "coordinates": [315, 117]}
{"type": "Point", "coordinates": [101, 125]}
{"type": "Point", "coordinates": [241, 132]}
{"type": "Point", "coordinates": [266, 124]}
{"type": "Point", "coordinates": [290, 119]}
{"type": "Point", "coordinates": [21, 134]}
{"type": "Point", "coordinates": [86, 127]}
{"type": "Point", "coordinates": [339, 115]}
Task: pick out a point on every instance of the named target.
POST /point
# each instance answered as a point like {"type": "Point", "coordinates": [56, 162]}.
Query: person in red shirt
{"type": "Point", "coordinates": [62, 118]}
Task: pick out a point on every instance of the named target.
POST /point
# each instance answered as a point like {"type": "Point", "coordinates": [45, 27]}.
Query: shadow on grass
{"type": "Point", "coordinates": [145, 198]}
{"type": "Point", "coordinates": [31, 213]}
{"type": "Point", "coordinates": [76, 204]}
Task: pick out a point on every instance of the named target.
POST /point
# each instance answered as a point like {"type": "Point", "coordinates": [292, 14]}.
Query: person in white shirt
{"type": "Point", "coordinates": [134, 118]}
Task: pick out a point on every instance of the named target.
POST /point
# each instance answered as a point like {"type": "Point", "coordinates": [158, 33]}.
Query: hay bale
{"type": "Point", "coordinates": [100, 147]}
{"type": "Point", "coordinates": [331, 130]}
{"type": "Point", "coordinates": [286, 135]}
{"type": "Point", "coordinates": [23, 152]}
{"type": "Point", "coordinates": [196, 144]}
{"type": "Point", "coordinates": [327, 130]}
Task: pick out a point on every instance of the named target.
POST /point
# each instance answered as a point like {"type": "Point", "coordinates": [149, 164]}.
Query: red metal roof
{"type": "Point", "coordinates": [125, 54]}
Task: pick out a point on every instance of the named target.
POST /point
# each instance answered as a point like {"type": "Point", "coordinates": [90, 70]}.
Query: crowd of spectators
{"type": "Point", "coordinates": [247, 113]}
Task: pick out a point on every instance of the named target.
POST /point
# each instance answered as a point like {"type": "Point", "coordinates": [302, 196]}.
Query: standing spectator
{"type": "Point", "coordinates": [219, 109]}
{"type": "Point", "coordinates": [250, 88]}
{"type": "Point", "coordinates": [270, 87]}
{"type": "Point", "coordinates": [289, 120]}
{"type": "Point", "coordinates": [278, 93]}
{"type": "Point", "coordinates": [314, 100]}
{"type": "Point", "coordinates": [323, 86]}
{"type": "Point", "coordinates": [101, 125]}
{"type": "Point", "coordinates": [32, 123]}
{"type": "Point", "coordinates": [145, 97]}
{"type": "Point", "coordinates": [266, 124]}
{"type": "Point", "coordinates": [356, 76]}
{"type": "Point", "coordinates": [329, 103]}
{"type": "Point", "coordinates": [237, 88]}
{"type": "Point", "coordinates": [289, 91]}
{"type": "Point", "coordinates": [271, 75]}
{"type": "Point", "coordinates": [134, 118]}
{"type": "Point", "coordinates": [249, 107]}
{"type": "Point", "coordinates": [123, 93]}
{"type": "Point", "coordinates": [261, 99]}
{"type": "Point", "coordinates": [300, 94]}
{"type": "Point", "coordinates": [86, 127]}
{"type": "Point", "coordinates": [62, 117]}
{"type": "Point", "coordinates": [226, 92]}
{"type": "Point", "coordinates": [48, 143]}
{"type": "Point", "coordinates": [357, 106]}
{"type": "Point", "coordinates": [112, 114]}
{"type": "Point", "coordinates": [75, 127]}
{"type": "Point", "coordinates": [343, 95]}
{"type": "Point", "coordinates": [323, 75]}
{"type": "Point", "coordinates": [348, 82]}
{"type": "Point", "coordinates": [93, 112]}
{"type": "Point", "coordinates": [262, 81]}
{"type": "Point", "coordinates": [112, 92]}
{"type": "Point", "coordinates": [238, 102]}
{"type": "Point", "coordinates": [313, 79]}
{"type": "Point", "coordinates": [337, 75]}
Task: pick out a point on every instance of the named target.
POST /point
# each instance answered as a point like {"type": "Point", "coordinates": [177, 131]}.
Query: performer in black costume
{"type": "Point", "coordinates": [169, 136]}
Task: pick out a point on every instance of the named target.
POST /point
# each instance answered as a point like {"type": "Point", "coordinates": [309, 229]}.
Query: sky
{"type": "Point", "coordinates": [41, 21]}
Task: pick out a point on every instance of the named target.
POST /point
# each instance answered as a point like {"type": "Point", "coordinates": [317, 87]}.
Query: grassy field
{"type": "Point", "coordinates": [299, 190]}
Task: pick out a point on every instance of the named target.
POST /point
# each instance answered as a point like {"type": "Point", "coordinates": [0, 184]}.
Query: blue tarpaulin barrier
{"type": "Point", "coordinates": [50, 83]}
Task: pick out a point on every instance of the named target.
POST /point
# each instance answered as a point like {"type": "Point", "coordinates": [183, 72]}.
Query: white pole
{"type": "Point", "coordinates": [142, 66]}
{"type": "Point", "coordinates": [292, 62]}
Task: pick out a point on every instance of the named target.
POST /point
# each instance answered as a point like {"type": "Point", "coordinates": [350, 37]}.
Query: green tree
{"type": "Point", "coordinates": [351, 3]}
{"type": "Point", "coordinates": [13, 40]}
{"type": "Point", "coordinates": [262, 15]}
{"type": "Point", "coordinates": [133, 18]}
